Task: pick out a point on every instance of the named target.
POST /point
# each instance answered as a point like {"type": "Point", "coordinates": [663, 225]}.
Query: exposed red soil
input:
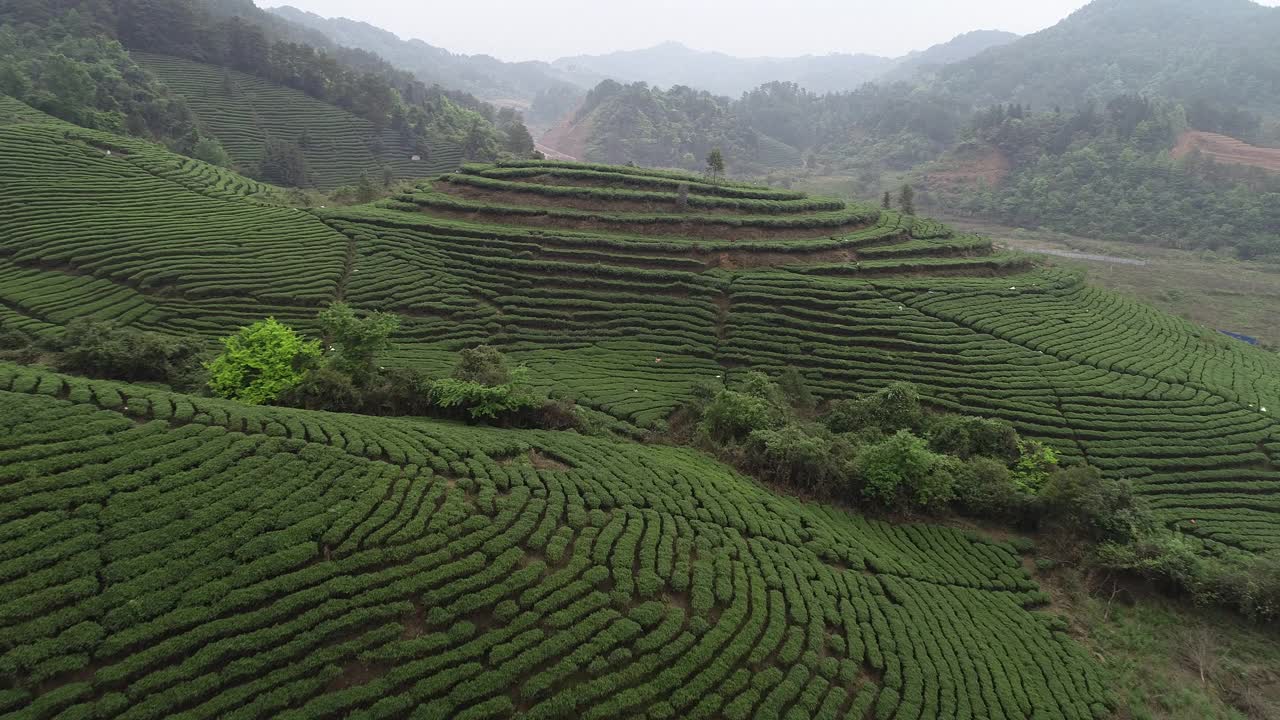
{"type": "Point", "coordinates": [987, 167]}
{"type": "Point", "coordinates": [546, 462]}
{"type": "Point", "coordinates": [567, 139]}
{"type": "Point", "coordinates": [706, 231]}
{"type": "Point", "coordinates": [1227, 150]}
{"type": "Point", "coordinates": [500, 197]}
{"type": "Point", "coordinates": [746, 258]}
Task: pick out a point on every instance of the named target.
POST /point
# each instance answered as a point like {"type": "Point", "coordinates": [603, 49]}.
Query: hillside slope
{"type": "Point", "coordinates": [1227, 150]}
{"type": "Point", "coordinates": [594, 278]}
{"type": "Point", "coordinates": [243, 112]}
{"type": "Point", "coordinates": [170, 555]}
{"type": "Point", "coordinates": [1222, 52]}
{"type": "Point", "coordinates": [961, 47]}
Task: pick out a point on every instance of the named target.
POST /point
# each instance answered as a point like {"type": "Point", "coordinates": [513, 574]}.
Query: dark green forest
{"type": "Point", "coordinates": [1108, 173]}
{"type": "Point", "coordinates": [70, 58]}
{"type": "Point", "coordinates": [777, 125]}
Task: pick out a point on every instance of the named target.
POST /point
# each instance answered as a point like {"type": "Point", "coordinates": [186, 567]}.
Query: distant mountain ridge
{"type": "Point", "coordinates": [664, 65]}
{"type": "Point", "coordinates": [672, 63]}
{"type": "Point", "coordinates": [482, 75]}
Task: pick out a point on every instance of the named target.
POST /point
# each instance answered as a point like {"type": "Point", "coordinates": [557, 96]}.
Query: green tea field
{"type": "Point", "coordinates": [587, 275]}
{"type": "Point", "coordinates": [173, 556]}
{"type": "Point", "coordinates": [166, 556]}
{"type": "Point", "coordinates": [243, 111]}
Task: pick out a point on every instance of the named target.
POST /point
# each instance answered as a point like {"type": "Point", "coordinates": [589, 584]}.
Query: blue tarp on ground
{"type": "Point", "coordinates": [1238, 336]}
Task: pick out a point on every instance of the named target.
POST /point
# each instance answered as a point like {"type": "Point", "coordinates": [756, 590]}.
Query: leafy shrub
{"type": "Point", "coordinates": [895, 407]}
{"type": "Point", "coordinates": [1252, 585]}
{"type": "Point", "coordinates": [1080, 499]}
{"type": "Point", "coordinates": [483, 365]}
{"type": "Point", "coordinates": [559, 414]}
{"type": "Point", "coordinates": [1035, 462]}
{"type": "Point", "coordinates": [732, 416]}
{"type": "Point", "coordinates": [804, 455]}
{"type": "Point", "coordinates": [1249, 583]}
{"type": "Point", "coordinates": [354, 342]}
{"type": "Point", "coordinates": [104, 349]}
{"type": "Point", "coordinates": [984, 487]}
{"type": "Point", "coordinates": [13, 338]}
{"type": "Point", "coordinates": [966, 437]}
{"type": "Point", "coordinates": [903, 472]}
{"type": "Point", "coordinates": [326, 388]}
{"type": "Point", "coordinates": [211, 151]}
{"type": "Point", "coordinates": [485, 402]}
{"type": "Point", "coordinates": [284, 163]}
{"type": "Point", "coordinates": [793, 387]}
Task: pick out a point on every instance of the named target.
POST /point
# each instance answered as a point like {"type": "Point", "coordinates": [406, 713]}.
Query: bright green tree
{"type": "Point", "coordinates": [1036, 461]}
{"type": "Point", "coordinates": [261, 362]}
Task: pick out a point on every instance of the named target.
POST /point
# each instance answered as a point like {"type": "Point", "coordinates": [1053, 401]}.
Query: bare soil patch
{"type": "Point", "coordinates": [544, 462]}
{"type": "Point", "coordinates": [691, 230]}
{"type": "Point", "coordinates": [1227, 150]}
{"type": "Point", "coordinates": [533, 199]}
{"type": "Point", "coordinates": [987, 167]}
{"type": "Point", "coordinates": [568, 139]}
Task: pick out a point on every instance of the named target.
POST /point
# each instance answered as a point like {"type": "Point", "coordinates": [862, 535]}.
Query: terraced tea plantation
{"type": "Point", "coordinates": [170, 556]}
{"type": "Point", "coordinates": [167, 556]}
{"type": "Point", "coordinates": [243, 111]}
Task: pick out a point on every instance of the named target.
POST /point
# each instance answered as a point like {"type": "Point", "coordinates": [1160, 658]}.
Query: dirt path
{"type": "Point", "coordinates": [566, 140]}
{"type": "Point", "coordinates": [553, 154]}
{"type": "Point", "coordinates": [1111, 259]}
{"type": "Point", "coordinates": [1227, 150]}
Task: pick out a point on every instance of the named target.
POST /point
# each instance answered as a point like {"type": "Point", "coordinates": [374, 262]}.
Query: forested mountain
{"type": "Point", "coordinates": [553, 89]}
{"type": "Point", "coordinates": [71, 59]}
{"type": "Point", "coordinates": [958, 48]}
{"type": "Point", "coordinates": [776, 126]}
{"type": "Point", "coordinates": [1220, 51]}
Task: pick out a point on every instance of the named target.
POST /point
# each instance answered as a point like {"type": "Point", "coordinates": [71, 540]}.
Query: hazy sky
{"type": "Point", "coordinates": [547, 29]}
